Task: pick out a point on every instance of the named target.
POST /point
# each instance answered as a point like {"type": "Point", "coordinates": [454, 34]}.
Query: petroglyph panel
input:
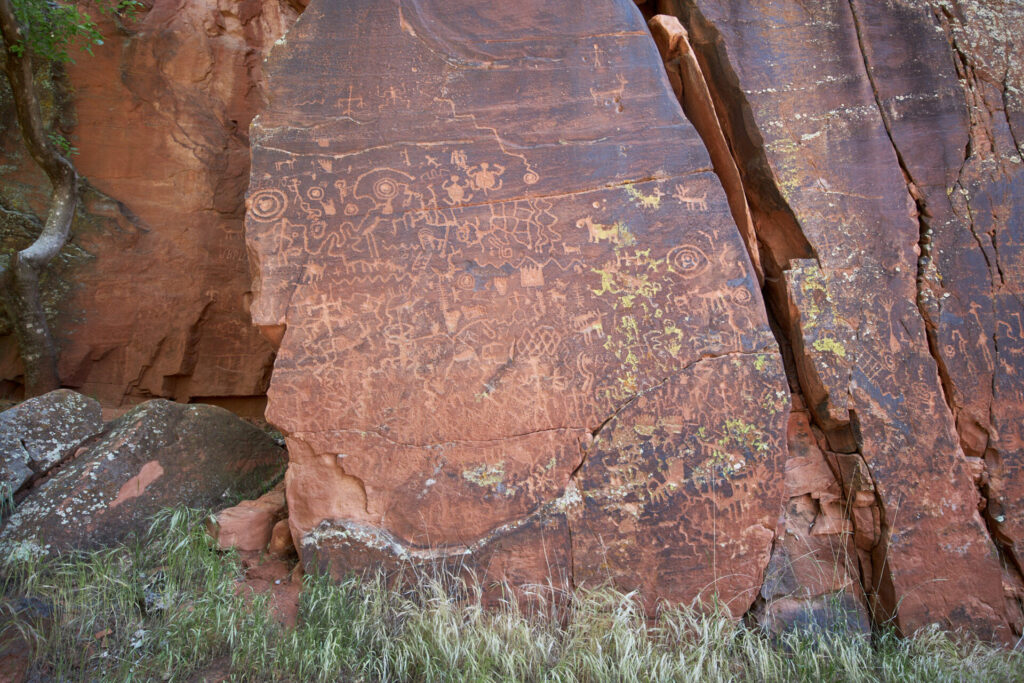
{"type": "Point", "coordinates": [485, 237]}
{"type": "Point", "coordinates": [677, 495]}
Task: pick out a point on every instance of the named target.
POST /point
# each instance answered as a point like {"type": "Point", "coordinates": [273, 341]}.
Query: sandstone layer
{"type": "Point", "coordinates": [149, 298]}
{"type": "Point", "coordinates": [519, 327]}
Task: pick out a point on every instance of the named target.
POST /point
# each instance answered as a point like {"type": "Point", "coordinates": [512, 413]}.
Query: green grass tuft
{"type": "Point", "coordinates": [166, 608]}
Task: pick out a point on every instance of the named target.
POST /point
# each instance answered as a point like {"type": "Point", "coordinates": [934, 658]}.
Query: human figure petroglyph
{"type": "Point", "coordinates": [485, 177]}
{"type": "Point", "coordinates": [350, 103]}
{"type": "Point", "coordinates": [392, 96]}
{"type": "Point", "coordinates": [457, 192]}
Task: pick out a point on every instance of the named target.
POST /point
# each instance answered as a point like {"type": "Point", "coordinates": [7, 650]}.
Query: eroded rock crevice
{"type": "Point", "coordinates": [712, 99]}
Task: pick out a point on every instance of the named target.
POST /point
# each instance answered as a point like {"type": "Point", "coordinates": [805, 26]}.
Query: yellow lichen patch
{"type": "Point", "coordinates": [625, 237]}
{"type": "Point", "coordinates": [830, 344]}
{"type": "Point", "coordinates": [646, 201]}
{"type": "Point", "coordinates": [737, 440]}
{"type": "Point", "coordinates": [812, 281]}
{"type": "Point", "coordinates": [741, 433]}
{"type": "Point", "coordinates": [607, 282]}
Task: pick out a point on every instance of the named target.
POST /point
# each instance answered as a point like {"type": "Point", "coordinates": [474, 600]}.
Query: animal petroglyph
{"type": "Point", "coordinates": [689, 201]}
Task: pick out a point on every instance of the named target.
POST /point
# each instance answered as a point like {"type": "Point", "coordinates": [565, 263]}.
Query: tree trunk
{"type": "Point", "coordinates": [20, 275]}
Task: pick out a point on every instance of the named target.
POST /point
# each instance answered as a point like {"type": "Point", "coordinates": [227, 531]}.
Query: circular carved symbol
{"type": "Point", "coordinates": [530, 177]}
{"type": "Point", "coordinates": [741, 295]}
{"type": "Point", "coordinates": [315, 193]}
{"type": "Point", "coordinates": [385, 188]}
{"type": "Point", "coordinates": [688, 260]}
{"type": "Point", "coordinates": [268, 205]}
{"type": "Point", "coordinates": [465, 281]}
{"type": "Point", "coordinates": [351, 209]}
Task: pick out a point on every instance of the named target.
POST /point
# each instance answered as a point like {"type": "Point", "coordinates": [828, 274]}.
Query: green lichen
{"type": "Point", "coordinates": [486, 476]}
{"type": "Point", "coordinates": [644, 430]}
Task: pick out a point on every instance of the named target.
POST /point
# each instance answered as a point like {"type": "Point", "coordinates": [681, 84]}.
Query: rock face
{"type": "Point", "coordinates": [519, 327]}
{"type": "Point", "coordinates": [896, 158]}
{"type": "Point", "coordinates": [524, 327]}
{"type": "Point", "coordinates": [149, 299]}
{"type": "Point", "coordinates": [517, 315]}
{"type": "Point", "coordinates": [37, 434]}
{"type": "Point", "coordinates": [159, 454]}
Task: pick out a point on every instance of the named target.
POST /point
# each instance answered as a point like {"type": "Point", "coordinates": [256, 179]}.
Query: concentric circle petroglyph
{"type": "Point", "coordinates": [268, 205]}
{"type": "Point", "coordinates": [688, 260]}
{"type": "Point", "coordinates": [385, 188]}
{"type": "Point", "coordinates": [741, 295]}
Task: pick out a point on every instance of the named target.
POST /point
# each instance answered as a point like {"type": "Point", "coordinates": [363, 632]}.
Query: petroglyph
{"type": "Point", "coordinates": [466, 303]}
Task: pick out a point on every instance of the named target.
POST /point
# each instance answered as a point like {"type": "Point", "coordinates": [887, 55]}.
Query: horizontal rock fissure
{"type": "Point", "coordinates": [379, 537]}
{"type": "Point", "coordinates": [550, 430]}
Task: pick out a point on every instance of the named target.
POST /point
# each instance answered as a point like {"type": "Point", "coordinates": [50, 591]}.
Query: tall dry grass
{"type": "Point", "coordinates": [166, 609]}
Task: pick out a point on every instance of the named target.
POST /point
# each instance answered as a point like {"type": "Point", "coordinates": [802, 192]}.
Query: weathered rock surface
{"type": "Point", "coordinates": [884, 134]}
{"type": "Point", "coordinates": [159, 454]}
{"type": "Point", "coordinates": [519, 327]}
{"type": "Point", "coordinates": [812, 578]}
{"type": "Point", "coordinates": [148, 300]}
{"type": "Point", "coordinates": [38, 433]}
{"type": "Point", "coordinates": [250, 524]}
{"type": "Point", "coordinates": [281, 544]}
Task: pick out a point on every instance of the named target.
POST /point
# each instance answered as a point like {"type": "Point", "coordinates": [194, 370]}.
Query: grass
{"type": "Point", "coordinates": [166, 609]}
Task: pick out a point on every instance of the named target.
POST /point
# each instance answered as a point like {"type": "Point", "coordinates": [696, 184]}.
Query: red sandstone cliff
{"type": "Point", "coordinates": [150, 297]}
{"type": "Point", "coordinates": [624, 416]}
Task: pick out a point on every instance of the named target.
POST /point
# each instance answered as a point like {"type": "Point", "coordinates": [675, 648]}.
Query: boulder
{"type": "Point", "coordinates": [158, 455]}
{"type": "Point", "coordinates": [519, 329]}
{"type": "Point", "coordinates": [812, 579]}
{"type": "Point", "coordinates": [249, 525]}
{"type": "Point", "coordinates": [39, 433]}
